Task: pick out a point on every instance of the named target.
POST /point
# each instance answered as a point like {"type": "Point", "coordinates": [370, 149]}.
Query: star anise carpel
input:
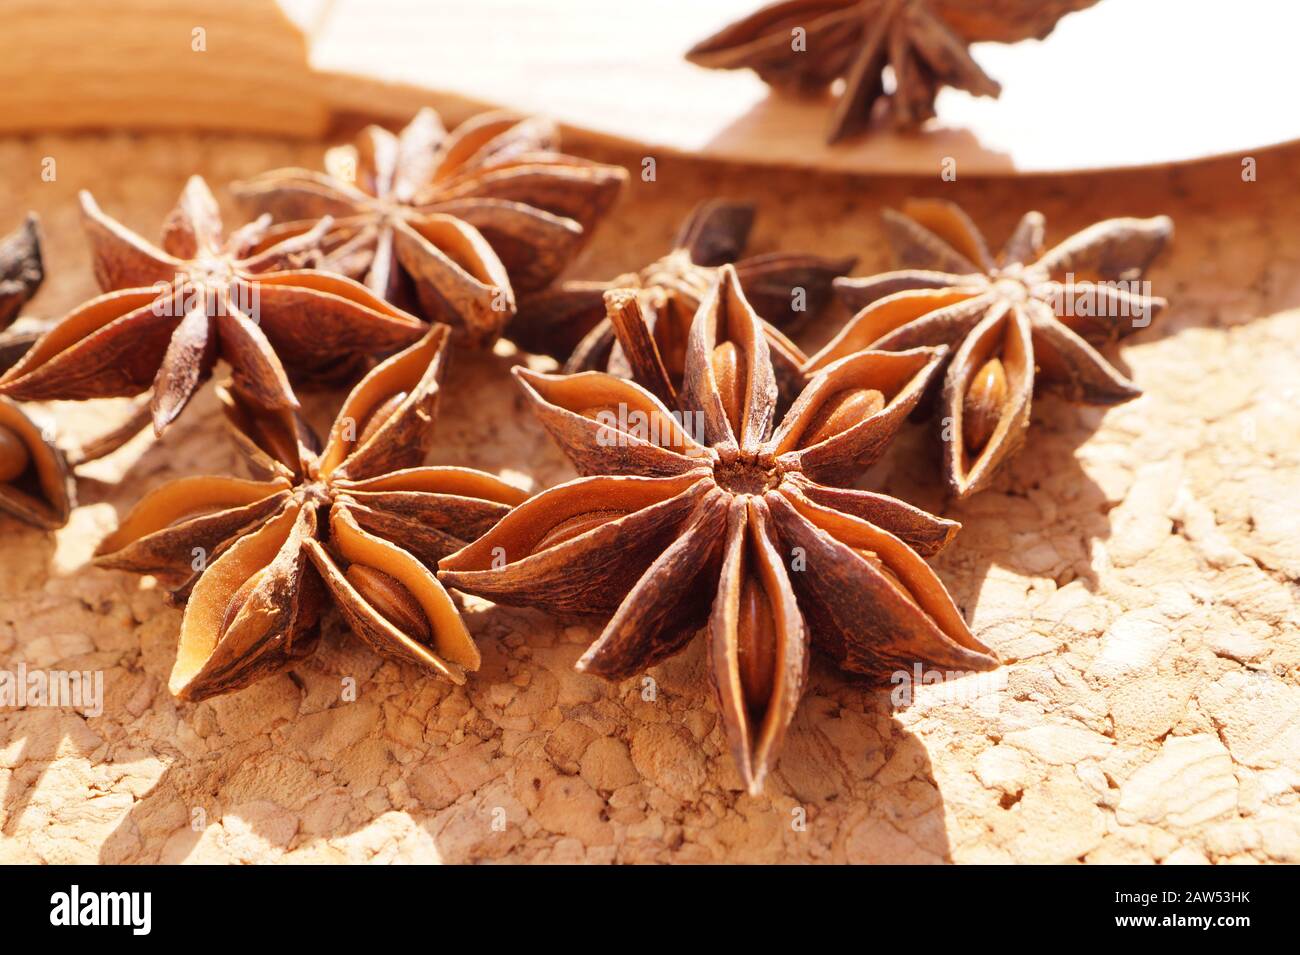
{"type": "Point", "coordinates": [360, 521]}
{"type": "Point", "coordinates": [452, 226]}
{"type": "Point", "coordinates": [36, 484]}
{"type": "Point", "coordinates": [714, 513]}
{"type": "Point", "coordinates": [21, 269]}
{"type": "Point", "coordinates": [1025, 318]}
{"type": "Point", "coordinates": [169, 312]}
{"type": "Point", "coordinates": [569, 321]}
{"type": "Point", "coordinates": [806, 45]}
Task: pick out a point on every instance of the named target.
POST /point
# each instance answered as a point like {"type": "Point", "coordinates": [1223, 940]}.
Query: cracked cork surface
{"type": "Point", "coordinates": [1137, 568]}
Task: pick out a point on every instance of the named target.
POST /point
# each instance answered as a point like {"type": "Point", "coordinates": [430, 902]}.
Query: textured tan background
{"type": "Point", "coordinates": [1138, 568]}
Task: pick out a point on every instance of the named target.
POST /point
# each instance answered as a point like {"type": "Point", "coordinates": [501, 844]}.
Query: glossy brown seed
{"type": "Point", "coordinates": [14, 456]}
{"type": "Point", "coordinates": [238, 599]}
{"type": "Point", "coordinates": [982, 406]}
{"type": "Point", "coordinates": [379, 416]}
{"type": "Point", "coordinates": [842, 410]}
{"type": "Point", "coordinates": [391, 600]}
{"type": "Point", "coordinates": [574, 527]}
{"type": "Point", "coordinates": [756, 652]}
{"type": "Point", "coordinates": [731, 381]}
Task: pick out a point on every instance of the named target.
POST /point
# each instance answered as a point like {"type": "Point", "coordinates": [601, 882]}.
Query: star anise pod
{"type": "Point", "coordinates": [450, 225]}
{"type": "Point", "coordinates": [569, 320]}
{"type": "Point", "coordinates": [676, 526]}
{"type": "Point", "coordinates": [361, 520]}
{"type": "Point", "coordinates": [35, 482]}
{"type": "Point", "coordinates": [21, 270]}
{"type": "Point", "coordinates": [169, 313]}
{"type": "Point", "coordinates": [923, 42]}
{"type": "Point", "coordinates": [1025, 317]}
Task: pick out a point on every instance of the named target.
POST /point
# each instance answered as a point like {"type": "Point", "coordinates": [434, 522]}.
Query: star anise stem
{"type": "Point", "coordinates": [102, 445]}
{"type": "Point", "coordinates": [623, 308]}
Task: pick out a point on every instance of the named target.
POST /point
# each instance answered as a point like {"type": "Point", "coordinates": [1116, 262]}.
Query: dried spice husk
{"type": "Point", "coordinates": [170, 312]}
{"type": "Point", "coordinates": [570, 320]}
{"type": "Point", "coordinates": [711, 513]}
{"type": "Point", "coordinates": [21, 273]}
{"type": "Point", "coordinates": [359, 521]}
{"type": "Point", "coordinates": [36, 485]}
{"type": "Point", "coordinates": [1026, 318]}
{"type": "Point", "coordinates": [21, 270]}
{"type": "Point", "coordinates": [923, 42]}
{"type": "Point", "coordinates": [451, 226]}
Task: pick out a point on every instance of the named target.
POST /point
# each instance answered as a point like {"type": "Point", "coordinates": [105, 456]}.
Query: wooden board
{"type": "Point", "coordinates": [1119, 84]}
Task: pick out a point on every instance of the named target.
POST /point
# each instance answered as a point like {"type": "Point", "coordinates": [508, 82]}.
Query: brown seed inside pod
{"type": "Point", "coordinates": [573, 527]}
{"type": "Point", "coordinates": [378, 417]}
{"type": "Point", "coordinates": [390, 598]}
{"type": "Point", "coordinates": [238, 599]}
{"type": "Point", "coordinates": [731, 382]}
{"type": "Point", "coordinates": [14, 456]}
{"type": "Point", "coordinates": [982, 406]}
{"type": "Point", "coordinates": [841, 411]}
{"type": "Point", "coordinates": [756, 629]}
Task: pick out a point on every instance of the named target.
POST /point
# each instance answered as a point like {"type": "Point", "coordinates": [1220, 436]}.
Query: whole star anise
{"type": "Point", "coordinates": [452, 226]}
{"type": "Point", "coordinates": [361, 517]}
{"type": "Point", "coordinates": [729, 526]}
{"type": "Point", "coordinates": [1026, 317]}
{"type": "Point", "coordinates": [569, 321]}
{"type": "Point", "coordinates": [170, 313]}
{"type": "Point", "coordinates": [806, 45]}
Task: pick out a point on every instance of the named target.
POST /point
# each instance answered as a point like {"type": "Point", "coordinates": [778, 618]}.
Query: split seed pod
{"type": "Point", "coordinates": [360, 521]}
{"type": "Point", "coordinates": [711, 513]}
